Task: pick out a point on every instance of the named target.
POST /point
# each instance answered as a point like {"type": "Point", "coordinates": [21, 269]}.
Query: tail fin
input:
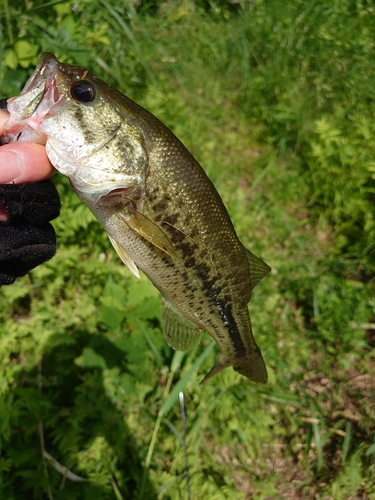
{"type": "Point", "coordinates": [252, 366]}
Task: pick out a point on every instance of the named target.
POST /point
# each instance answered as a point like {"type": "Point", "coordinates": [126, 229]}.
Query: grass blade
{"type": "Point", "coordinates": [183, 420]}
{"type": "Point", "coordinates": [130, 35]}
{"type": "Point", "coordinates": [346, 441]}
{"type": "Point", "coordinates": [318, 438]}
{"type": "Point", "coordinates": [181, 384]}
{"type": "Point", "coordinates": [155, 352]}
{"type": "Point", "coordinates": [171, 400]}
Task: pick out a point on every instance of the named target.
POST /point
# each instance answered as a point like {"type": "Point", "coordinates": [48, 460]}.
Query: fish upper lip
{"type": "Point", "coordinates": [45, 75]}
{"type": "Point", "coordinates": [45, 69]}
{"type": "Point", "coordinates": [40, 98]}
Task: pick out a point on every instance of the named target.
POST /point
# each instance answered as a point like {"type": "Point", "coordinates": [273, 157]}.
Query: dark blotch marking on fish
{"type": "Point", "coordinates": [160, 206]}
{"type": "Point", "coordinates": [171, 220]}
{"type": "Point", "coordinates": [190, 262]}
{"type": "Point", "coordinates": [225, 311]}
{"type": "Point", "coordinates": [187, 249]}
{"type": "Point", "coordinates": [164, 258]}
{"type": "Point", "coordinates": [203, 271]}
{"type": "Point", "coordinates": [223, 308]}
{"type": "Point", "coordinates": [177, 237]}
{"type": "Point", "coordinates": [89, 136]}
{"type": "Point", "coordinates": [151, 194]}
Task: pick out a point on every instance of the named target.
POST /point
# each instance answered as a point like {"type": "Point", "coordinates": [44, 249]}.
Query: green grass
{"type": "Point", "coordinates": [276, 100]}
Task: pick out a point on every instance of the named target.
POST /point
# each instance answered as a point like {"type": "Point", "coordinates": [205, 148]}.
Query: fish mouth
{"type": "Point", "coordinates": [39, 99]}
{"type": "Point", "coordinates": [41, 88]}
{"type": "Point", "coordinates": [46, 67]}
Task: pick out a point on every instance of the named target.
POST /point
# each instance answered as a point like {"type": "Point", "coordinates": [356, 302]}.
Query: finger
{"type": "Point", "coordinates": [3, 118]}
{"type": "Point", "coordinates": [24, 162]}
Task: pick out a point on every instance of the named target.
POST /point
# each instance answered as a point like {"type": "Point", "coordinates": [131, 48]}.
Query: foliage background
{"type": "Point", "coordinates": [276, 100]}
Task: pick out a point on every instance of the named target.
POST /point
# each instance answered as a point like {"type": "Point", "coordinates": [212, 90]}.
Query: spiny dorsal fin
{"type": "Point", "coordinates": [179, 332]}
{"type": "Point", "coordinates": [124, 256]}
{"type": "Point", "coordinates": [258, 268]}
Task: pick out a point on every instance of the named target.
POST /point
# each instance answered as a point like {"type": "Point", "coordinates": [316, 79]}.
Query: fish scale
{"type": "Point", "coordinates": [159, 208]}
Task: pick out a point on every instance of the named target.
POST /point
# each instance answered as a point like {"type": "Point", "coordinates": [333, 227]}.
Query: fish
{"type": "Point", "coordinates": [160, 210]}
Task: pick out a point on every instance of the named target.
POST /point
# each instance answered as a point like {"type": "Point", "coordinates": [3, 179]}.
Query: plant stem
{"type": "Point", "coordinates": [155, 434]}
{"type": "Point", "coordinates": [9, 23]}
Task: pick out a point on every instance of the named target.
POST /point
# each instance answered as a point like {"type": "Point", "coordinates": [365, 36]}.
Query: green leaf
{"type": "Point", "coordinates": [93, 360]}
{"type": "Point", "coordinates": [111, 317]}
{"type": "Point", "coordinates": [26, 53]}
{"type": "Point", "coordinates": [172, 399]}
{"type": "Point", "coordinates": [11, 59]}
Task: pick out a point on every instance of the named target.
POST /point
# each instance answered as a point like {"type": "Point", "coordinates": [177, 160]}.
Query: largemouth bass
{"type": "Point", "coordinates": [160, 210]}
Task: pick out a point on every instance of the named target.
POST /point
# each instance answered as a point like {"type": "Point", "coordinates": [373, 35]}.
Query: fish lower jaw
{"type": "Point", "coordinates": [16, 132]}
{"type": "Point", "coordinates": [28, 112]}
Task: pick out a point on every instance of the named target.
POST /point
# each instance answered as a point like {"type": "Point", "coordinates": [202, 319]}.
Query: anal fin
{"type": "Point", "coordinates": [179, 332]}
{"type": "Point", "coordinates": [220, 365]}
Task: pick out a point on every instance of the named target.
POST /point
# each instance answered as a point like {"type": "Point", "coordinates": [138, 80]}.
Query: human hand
{"type": "Point", "coordinates": [22, 162]}
{"type": "Point", "coordinates": [27, 203]}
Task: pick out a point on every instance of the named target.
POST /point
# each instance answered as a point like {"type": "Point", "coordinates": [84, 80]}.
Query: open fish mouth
{"type": "Point", "coordinates": [40, 95]}
{"type": "Point", "coordinates": [39, 99]}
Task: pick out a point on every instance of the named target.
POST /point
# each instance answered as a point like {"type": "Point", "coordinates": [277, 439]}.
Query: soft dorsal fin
{"type": "Point", "coordinates": [124, 256]}
{"type": "Point", "coordinates": [258, 268]}
{"type": "Point", "coordinates": [179, 332]}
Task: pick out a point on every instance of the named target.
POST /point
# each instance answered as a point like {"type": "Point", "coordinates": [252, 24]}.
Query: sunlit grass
{"type": "Point", "coordinates": [276, 102]}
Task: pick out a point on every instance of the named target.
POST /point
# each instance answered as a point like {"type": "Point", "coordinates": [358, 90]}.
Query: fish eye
{"type": "Point", "coordinates": [83, 91]}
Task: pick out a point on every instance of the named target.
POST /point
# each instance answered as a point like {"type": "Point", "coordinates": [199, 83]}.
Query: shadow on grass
{"type": "Point", "coordinates": [82, 430]}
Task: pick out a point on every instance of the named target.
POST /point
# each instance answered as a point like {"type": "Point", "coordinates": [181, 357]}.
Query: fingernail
{"type": "Point", "coordinates": [11, 166]}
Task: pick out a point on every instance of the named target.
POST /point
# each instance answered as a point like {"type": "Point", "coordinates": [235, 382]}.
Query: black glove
{"type": "Point", "coordinates": [26, 237]}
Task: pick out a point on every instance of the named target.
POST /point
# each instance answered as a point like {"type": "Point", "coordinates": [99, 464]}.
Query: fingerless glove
{"type": "Point", "coordinates": [27, 239]}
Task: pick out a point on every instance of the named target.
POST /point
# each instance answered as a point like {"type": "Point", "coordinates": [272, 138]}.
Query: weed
{"type": "Point", "coordinates": [276, 100]}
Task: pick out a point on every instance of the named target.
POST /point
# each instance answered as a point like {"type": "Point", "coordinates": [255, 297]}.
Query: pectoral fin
{"type": "Point", "coordinates": [149, 230]}
{"type": "Point", "coordinates": [124, 256]}
{"type": "Point", "coordinates": [258, 268]}
{"type": "Point", "coordinates": [180, 333]}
